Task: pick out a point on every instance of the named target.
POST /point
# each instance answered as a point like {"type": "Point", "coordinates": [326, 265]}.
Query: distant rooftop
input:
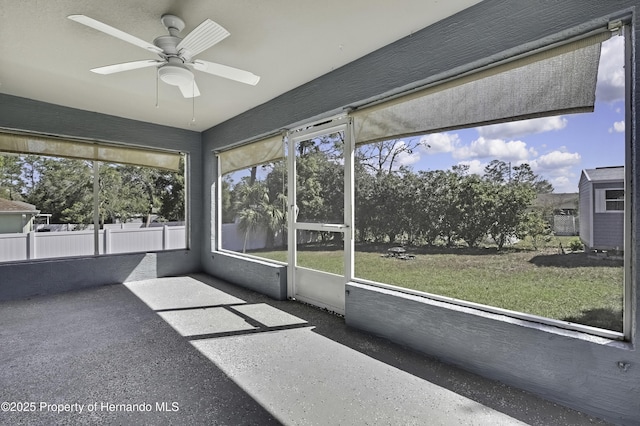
{"type": "Point", "coordinates": [9, 206]}
{"type": "Point", "coordinates": [604, 173]}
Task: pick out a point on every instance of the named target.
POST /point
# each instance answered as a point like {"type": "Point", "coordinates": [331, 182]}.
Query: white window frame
{"type": "Point", "coordinates": [602, 200]}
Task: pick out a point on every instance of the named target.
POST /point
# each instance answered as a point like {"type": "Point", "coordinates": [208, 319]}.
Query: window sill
{"type": "Point", "coordinates": [545, 325]}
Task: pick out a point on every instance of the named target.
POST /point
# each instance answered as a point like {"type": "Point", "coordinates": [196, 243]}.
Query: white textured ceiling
{"type": "Point", "coordinates": [47, 57]}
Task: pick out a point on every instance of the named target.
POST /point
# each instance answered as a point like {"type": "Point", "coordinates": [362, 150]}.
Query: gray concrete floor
{"type": "Point", "coordinates": [196, 350]}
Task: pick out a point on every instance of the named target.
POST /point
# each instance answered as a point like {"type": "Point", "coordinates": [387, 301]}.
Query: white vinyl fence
{"type": "Point", "coordinates": [234, 239]}
{"type": "Point", "coordinates": [44, 245]}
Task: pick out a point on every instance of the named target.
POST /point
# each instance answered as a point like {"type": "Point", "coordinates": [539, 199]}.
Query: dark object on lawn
{"type": "Point", "coordinates": [398, 253]}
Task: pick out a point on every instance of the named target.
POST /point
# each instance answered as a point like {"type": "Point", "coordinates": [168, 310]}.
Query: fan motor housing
{"type": "Point", "coordinates": [168, 44]}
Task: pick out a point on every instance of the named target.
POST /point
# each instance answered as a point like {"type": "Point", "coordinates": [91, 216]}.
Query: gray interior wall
{"type": "Point", "coordinates": [42, 276]}
{"type": "Point", "coordinates": [263, 277]}
{"type": "Point", "coordinates": [590, 374]}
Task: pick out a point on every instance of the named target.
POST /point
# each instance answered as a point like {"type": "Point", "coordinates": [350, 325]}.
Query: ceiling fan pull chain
{"type": "Point", "coordinates": [157, 87]}
{"type": "Point", "coordinates": [193, 102]}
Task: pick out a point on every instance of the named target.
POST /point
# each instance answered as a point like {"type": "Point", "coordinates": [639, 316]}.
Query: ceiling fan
{"type": "Point", "coordinates": [176, 53]}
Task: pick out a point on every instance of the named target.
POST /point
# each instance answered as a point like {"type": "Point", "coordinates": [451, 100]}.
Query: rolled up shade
{"type": "Point", "coordinates": [41, 145]}
{"type": "Point", "coordinates": [560, 80]}
{"type": "Point", "coordinates": [253, 154]}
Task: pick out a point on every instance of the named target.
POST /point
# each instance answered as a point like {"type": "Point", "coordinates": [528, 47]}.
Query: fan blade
{"type": "Point", "coordinates": [114, 32]}
{"type": "Point", "coordinates": [201, 38]}
{"type": "Point", "coordinates": [190, 90]}
{"type": "Point", "coordinates": [226, 72]}
{"type": "Point", "coordinates": [127, 66]}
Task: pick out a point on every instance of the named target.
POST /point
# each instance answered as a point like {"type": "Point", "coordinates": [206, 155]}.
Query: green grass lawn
{"type": "Point", "coordinates": [544, 282]}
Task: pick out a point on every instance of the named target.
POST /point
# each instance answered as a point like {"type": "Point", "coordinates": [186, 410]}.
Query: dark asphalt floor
{"type": "Point", "coordinates": [105, 351]}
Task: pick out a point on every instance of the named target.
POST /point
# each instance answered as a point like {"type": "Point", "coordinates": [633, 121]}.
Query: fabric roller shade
{"type": "Point", "coordinates": [253, 154]}
{"type": "Point", "coordinates": [40, 145]}
{"type": "Point", "coordinates": [560, 80]}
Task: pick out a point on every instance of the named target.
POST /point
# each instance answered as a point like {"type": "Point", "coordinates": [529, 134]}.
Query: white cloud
{"type": "Point", "coordinates": [516, 129]}
{"type": "Point", "coordinates": [494, 149]}
{"type": "Point", "coordinates": [610, 86]}
{"type": "Point", "coordinates": [438, 143]}
{"type": "Point", "coordinates": [618, 127]}
{"type": "Point", "coordinates": [557, 166]}
{"type": "Point", "coordinates": [476, 167]}
{"type": "Point", "coordinates": [564, 184]}
{"type": "Point", "coordinates": [555, 160]}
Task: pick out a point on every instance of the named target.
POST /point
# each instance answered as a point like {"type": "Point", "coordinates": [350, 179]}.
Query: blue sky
{"type": "Point", "coordinates": [557, 148]}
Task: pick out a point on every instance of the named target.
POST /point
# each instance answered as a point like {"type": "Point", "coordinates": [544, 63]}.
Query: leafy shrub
{"type": "Point", "coordinates": [576, 245]}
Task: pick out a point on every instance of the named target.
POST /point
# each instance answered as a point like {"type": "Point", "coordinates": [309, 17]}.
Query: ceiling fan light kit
{"type": "Point", "coordinates": [176, 54]}
{"type": "Point", "coordinates": [175, 75]}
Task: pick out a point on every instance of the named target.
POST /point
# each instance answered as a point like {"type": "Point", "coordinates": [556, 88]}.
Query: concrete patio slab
{"type": "Point", "coordinates": [304, 378]}
{"type": "Point", "coordinates": [179, 292]}
{"type": "Point", "coordinates": [205, 321]}
{"type": "Point", "coordinates": [268, 315]}
{"type": "Point", "coordinates": [103, 351]}
{"type": "Point", "coordinates": [102, 355]}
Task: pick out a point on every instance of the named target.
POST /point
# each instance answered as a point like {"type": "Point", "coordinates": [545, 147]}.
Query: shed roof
{"type": "Point", "coordinates": [9, 206]}
{"type": "Point", "coordinates": [604, 173]}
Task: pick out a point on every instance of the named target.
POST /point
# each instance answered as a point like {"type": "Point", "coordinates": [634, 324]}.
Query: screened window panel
{"type": "Point", "coordinates": [39, 145]}
{"type": "Point", "coordinates": [560, 80]}
{"type": "Point", "coordinates": [260, 152]}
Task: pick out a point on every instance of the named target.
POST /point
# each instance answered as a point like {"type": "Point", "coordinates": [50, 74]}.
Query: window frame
{"type": "Point", "coordinates": [602, 202]}
{"type": "Point", "coordinates": [608, 200]}
{"type": "Point", "coordinates": [98, 249]}
{"type": "Point", "coordinates": [216, 195]}
{"type": "Point", "coordinates": [629, 281]}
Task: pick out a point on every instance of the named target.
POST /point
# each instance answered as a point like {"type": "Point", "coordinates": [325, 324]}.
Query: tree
{"type": "Point", "coordinates": [515, 189]}
{"type": "Point", "coordinates": [112, 201]}
{"type": "Point", "coordinates": [511, 204]}
{"type": "Point", "coordinates": [276, 182]}
{"type": "Point", "coordinates": [64, 189]}
{"type": "Point", "coordinates": [226, 195]}
{"type": "Point", "coordinates": [535, 227]}
{"type": "Point", "coordinates": [29, 165]}
{"type": "Point", "coordinates": [10, 174]}
{"type": "Point", "coordinates": [308, 188]}
{"type": "Point", "coordinates": [383, 156]}
{"type": "Point", "coordinates": [502, 172]}
{"type": "Point", "coordinates": [429, 206]}
{"type": "Point", "coordinates": [250, 203]}
{"type": "Point", "coordinates": [475, 199]}
{"type": "Point", "coordinates": [256, 211]}
{"type": "Point", "coordinates": [498, 171]}
{"type": "Point", "coordinates": [170, 192]}
{"type": "Point", "coordinates": [365, 200]}
{"type": "Point", "coordinates": [447, 214]}
{"type": "Point", "coordinates": [524, 174]}
{"type": "Point", "coordinates": [388, 208]}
